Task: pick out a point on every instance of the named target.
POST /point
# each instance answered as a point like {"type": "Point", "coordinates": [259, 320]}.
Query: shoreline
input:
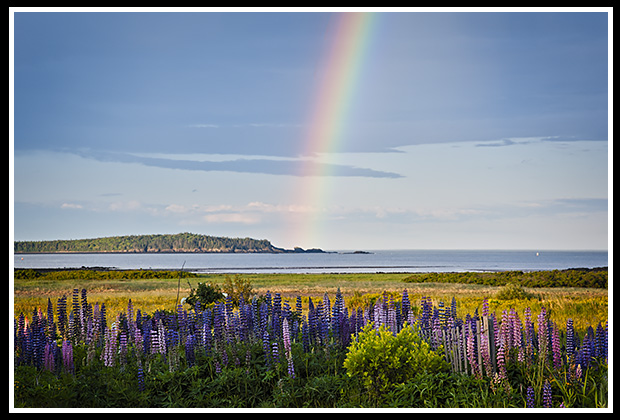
{"type": "Point", "coordinates": [286, 270]}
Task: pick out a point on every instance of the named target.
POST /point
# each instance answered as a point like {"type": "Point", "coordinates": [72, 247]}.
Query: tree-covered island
{"type": "Point", "coordinates": [181, 242]}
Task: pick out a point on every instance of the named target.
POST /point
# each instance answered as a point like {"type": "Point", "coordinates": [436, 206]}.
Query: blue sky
{"type": "Point", "coordinates": [466, 130]}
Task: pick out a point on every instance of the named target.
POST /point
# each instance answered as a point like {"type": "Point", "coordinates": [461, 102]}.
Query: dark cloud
{"type": "Point", "coordinates": [263, 166]}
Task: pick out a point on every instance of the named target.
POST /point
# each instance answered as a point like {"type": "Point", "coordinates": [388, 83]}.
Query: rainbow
{"type": "Point", "coordinates": [337, 79]}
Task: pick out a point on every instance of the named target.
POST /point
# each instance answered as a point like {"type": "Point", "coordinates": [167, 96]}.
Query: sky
{"type": "Point", "coordinates": [335, 130]}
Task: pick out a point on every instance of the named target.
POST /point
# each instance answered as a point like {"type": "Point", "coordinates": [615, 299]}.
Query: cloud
{"type": "Point", "coordinates": [203, 126]}
{"type": "Point", "coordinates": [71, 206]}
{"type": "Point", "coordinates": [246, 219]}
{"type": "Point", "coordinates": [264, 166]}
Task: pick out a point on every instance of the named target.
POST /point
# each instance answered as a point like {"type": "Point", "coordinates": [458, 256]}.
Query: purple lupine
{"type": "Point", "coordinates": [230, 326]}
{"type": "Point", "coordinates": [543, 334]}
{"type": "Point", "coordinates": [485, 307]}
{"type": "Point", "coordinates": [305, 336]}
{"type": "Point", "coordinates": [122, 350]}
{"type": "Point", "coordinates": [555, 348]}
{"type": "Point", "coordinates": [189, 350]}
{"type": "Point", "coordinates": [529, 397]}
{"type": "Point", "coordinates": [140, 377]}
{"type": "Point", "coordinates": [76, 312]}
{"type": "Point", "coordinates": [586, 351]}
{"type": "Point", "coordinates": [107, 355]}
{"type": "Point", "coordinates": [274, 351]}
{"type": "Point", "coordinates": [503, 334]}
{"type": "Point", "coordinates": [529, 334]}
{"type": "Point", "coordinates": [67, 356]}
{"type": "Point", "coordinates": [276, 312]}
{"type": "Point", "coordinates": [206, 331]}
{"type": "Point", "coordinates": [266, 348]}
{"type": "Point", "coordinates": [570, 340]}
{"type": "Point", "coordinates": [547, 397]}
{"type": "Point", "coordinates": [61, 310]}
{"type": "Point", "coordinates": [298, 306]}
{"type": "Point", "coordinates": [405, 305]}
{"type": "Point", "coordinates": [49, 356]}
{"type": "Point", "coordinates": [501, 361]}
{"type": "Point", "coordinates": [287, 347]}
{"type": "Point", "coordinates": [600, 342]}
{"type": "Point", "coordinates": [471, 353]}
{"type": "Point", "coordinates": [50, 325]}
{"type": "Point", "coordinates": [517, 337]}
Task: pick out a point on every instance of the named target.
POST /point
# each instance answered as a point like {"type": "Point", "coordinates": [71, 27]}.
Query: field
{"type": "Point", "coordinates": [294, 345]}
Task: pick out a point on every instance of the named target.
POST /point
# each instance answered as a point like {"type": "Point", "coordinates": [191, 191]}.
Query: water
{"type": "Point", "coordinates": [400, 261]}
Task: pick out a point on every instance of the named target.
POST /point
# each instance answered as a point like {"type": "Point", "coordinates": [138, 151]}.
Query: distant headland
{"type": "Point", "coordinates": [158, 243]}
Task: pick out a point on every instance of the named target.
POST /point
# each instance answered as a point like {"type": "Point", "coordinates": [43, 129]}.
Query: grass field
{"type": "Point", "coordinates": [586, 306]}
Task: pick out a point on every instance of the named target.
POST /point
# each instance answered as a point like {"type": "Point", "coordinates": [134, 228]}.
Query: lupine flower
{"type": "Point", "coordinates": [67, 356]}
{"type": "Point", "coordinates": [140, 377]}
{"type": "Point", "coordinates": [405, 305]}
{"type": "Point", "coordinates": [543, 333]}
{"type": "Point", "coordinates": [109, 349]}
{"type": "Point", "coordinates": [305, 336]}
{"type": "Point", "coordinates": [529, 397]}
{"type": "Point", "coordinates": [485, 307]}
{"type": "Point", "coordinates": [266, 348]}
{"type": "Point", "coordinates": [49, 356]}
{"type": "Point", "coordinates": [471, 353]}
{"type": "Point", "coordinates": [501, 361]}
{"type": "Point", "coordinates": [189, 350]}
{"type": "Point", "coordinates": [555, 348]}
{"type": "Point", "coordinates": [600, 342]}
{"type": "Point", "coordinates": [274, 351]}
{"type": "Point", "coordinates": [287, 347]}
{"type": "Point", "coordinates": [61, 309]}
{"type": "Point", "coordinates": [547, 398]}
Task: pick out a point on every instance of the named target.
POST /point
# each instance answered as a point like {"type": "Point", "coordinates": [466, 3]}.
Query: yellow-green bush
{"type": "Point", "coordinates": [382, 359]}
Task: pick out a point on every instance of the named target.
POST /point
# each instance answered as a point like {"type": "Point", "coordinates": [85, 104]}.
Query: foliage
{"type": "Point", "coordinates": [383, 359]}
{"type": "Point", "coordinates": [512, 291]}
{"type": "Point", "coordinates": [267, 354]}
{"type": "Point", "coordinates": [576, 277]}
{"type": "Point", "coordinates": [238, 288]}
{"type": "Point", "coordinates": [206, 294]}
{"type": "Point", "coordinates": [30, 274]}
{"type": "Point", "coordinates": [181, 242]}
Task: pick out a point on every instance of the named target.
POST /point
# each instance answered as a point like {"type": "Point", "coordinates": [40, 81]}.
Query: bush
{"type": "Point", "coordinates": [237, 288]}
{"type": "Point", "coordinates": [382, 359]}
{"type": "Point", "coordinates": [205, 294]}
{"type": "Point", "coordinates": [512, 291]}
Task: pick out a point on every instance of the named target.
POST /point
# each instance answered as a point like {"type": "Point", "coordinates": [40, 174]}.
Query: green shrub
{"type": "Point", "coordinates": [205, 294]}
{"type": "Point", "coordinates": [382, 359]}
{"type": "Point", "coordinates": [237, 287]}
{"type": "Point", "coordinates": [512, 291]}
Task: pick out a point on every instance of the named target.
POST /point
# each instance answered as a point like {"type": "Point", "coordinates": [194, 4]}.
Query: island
{"type": "Point", "coordinates": [157, 243]}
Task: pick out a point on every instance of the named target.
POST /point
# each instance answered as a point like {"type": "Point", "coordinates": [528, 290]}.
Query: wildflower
{"type": "Point", "coordinates": [49, 356]}
{"type": "Point", "coordinates": [543, 333]}
{"type": "Point", "coordinates": [405, 305]}
{"type": "Point", "coordinates": [67, 356]}
{"type": "Point", "coordinates": [529, 397]}
{"type": "Point", "coordinates": [471, 353]}
{"type": "Point", "coordinates": [547, 403]}
{"type": "Point", "coordinates": [287, 347]}
{"type": "Point", "coordinates": [189, 350]}
{"type": "Point", "coordinates": [555, 348]}
{"type": "Point", "coordinates": [109, 348]}
{"type": "Point", "coordinates": [140, 377]}
{"type": "Point", "coordinates": [570, 338]}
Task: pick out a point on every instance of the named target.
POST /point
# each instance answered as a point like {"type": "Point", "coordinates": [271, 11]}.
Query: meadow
{"type": "Point", "coordinates": [307, 340]}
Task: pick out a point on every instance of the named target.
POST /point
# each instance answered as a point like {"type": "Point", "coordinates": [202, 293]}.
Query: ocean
{"type": "Point", "coordinates": [380, 261]}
